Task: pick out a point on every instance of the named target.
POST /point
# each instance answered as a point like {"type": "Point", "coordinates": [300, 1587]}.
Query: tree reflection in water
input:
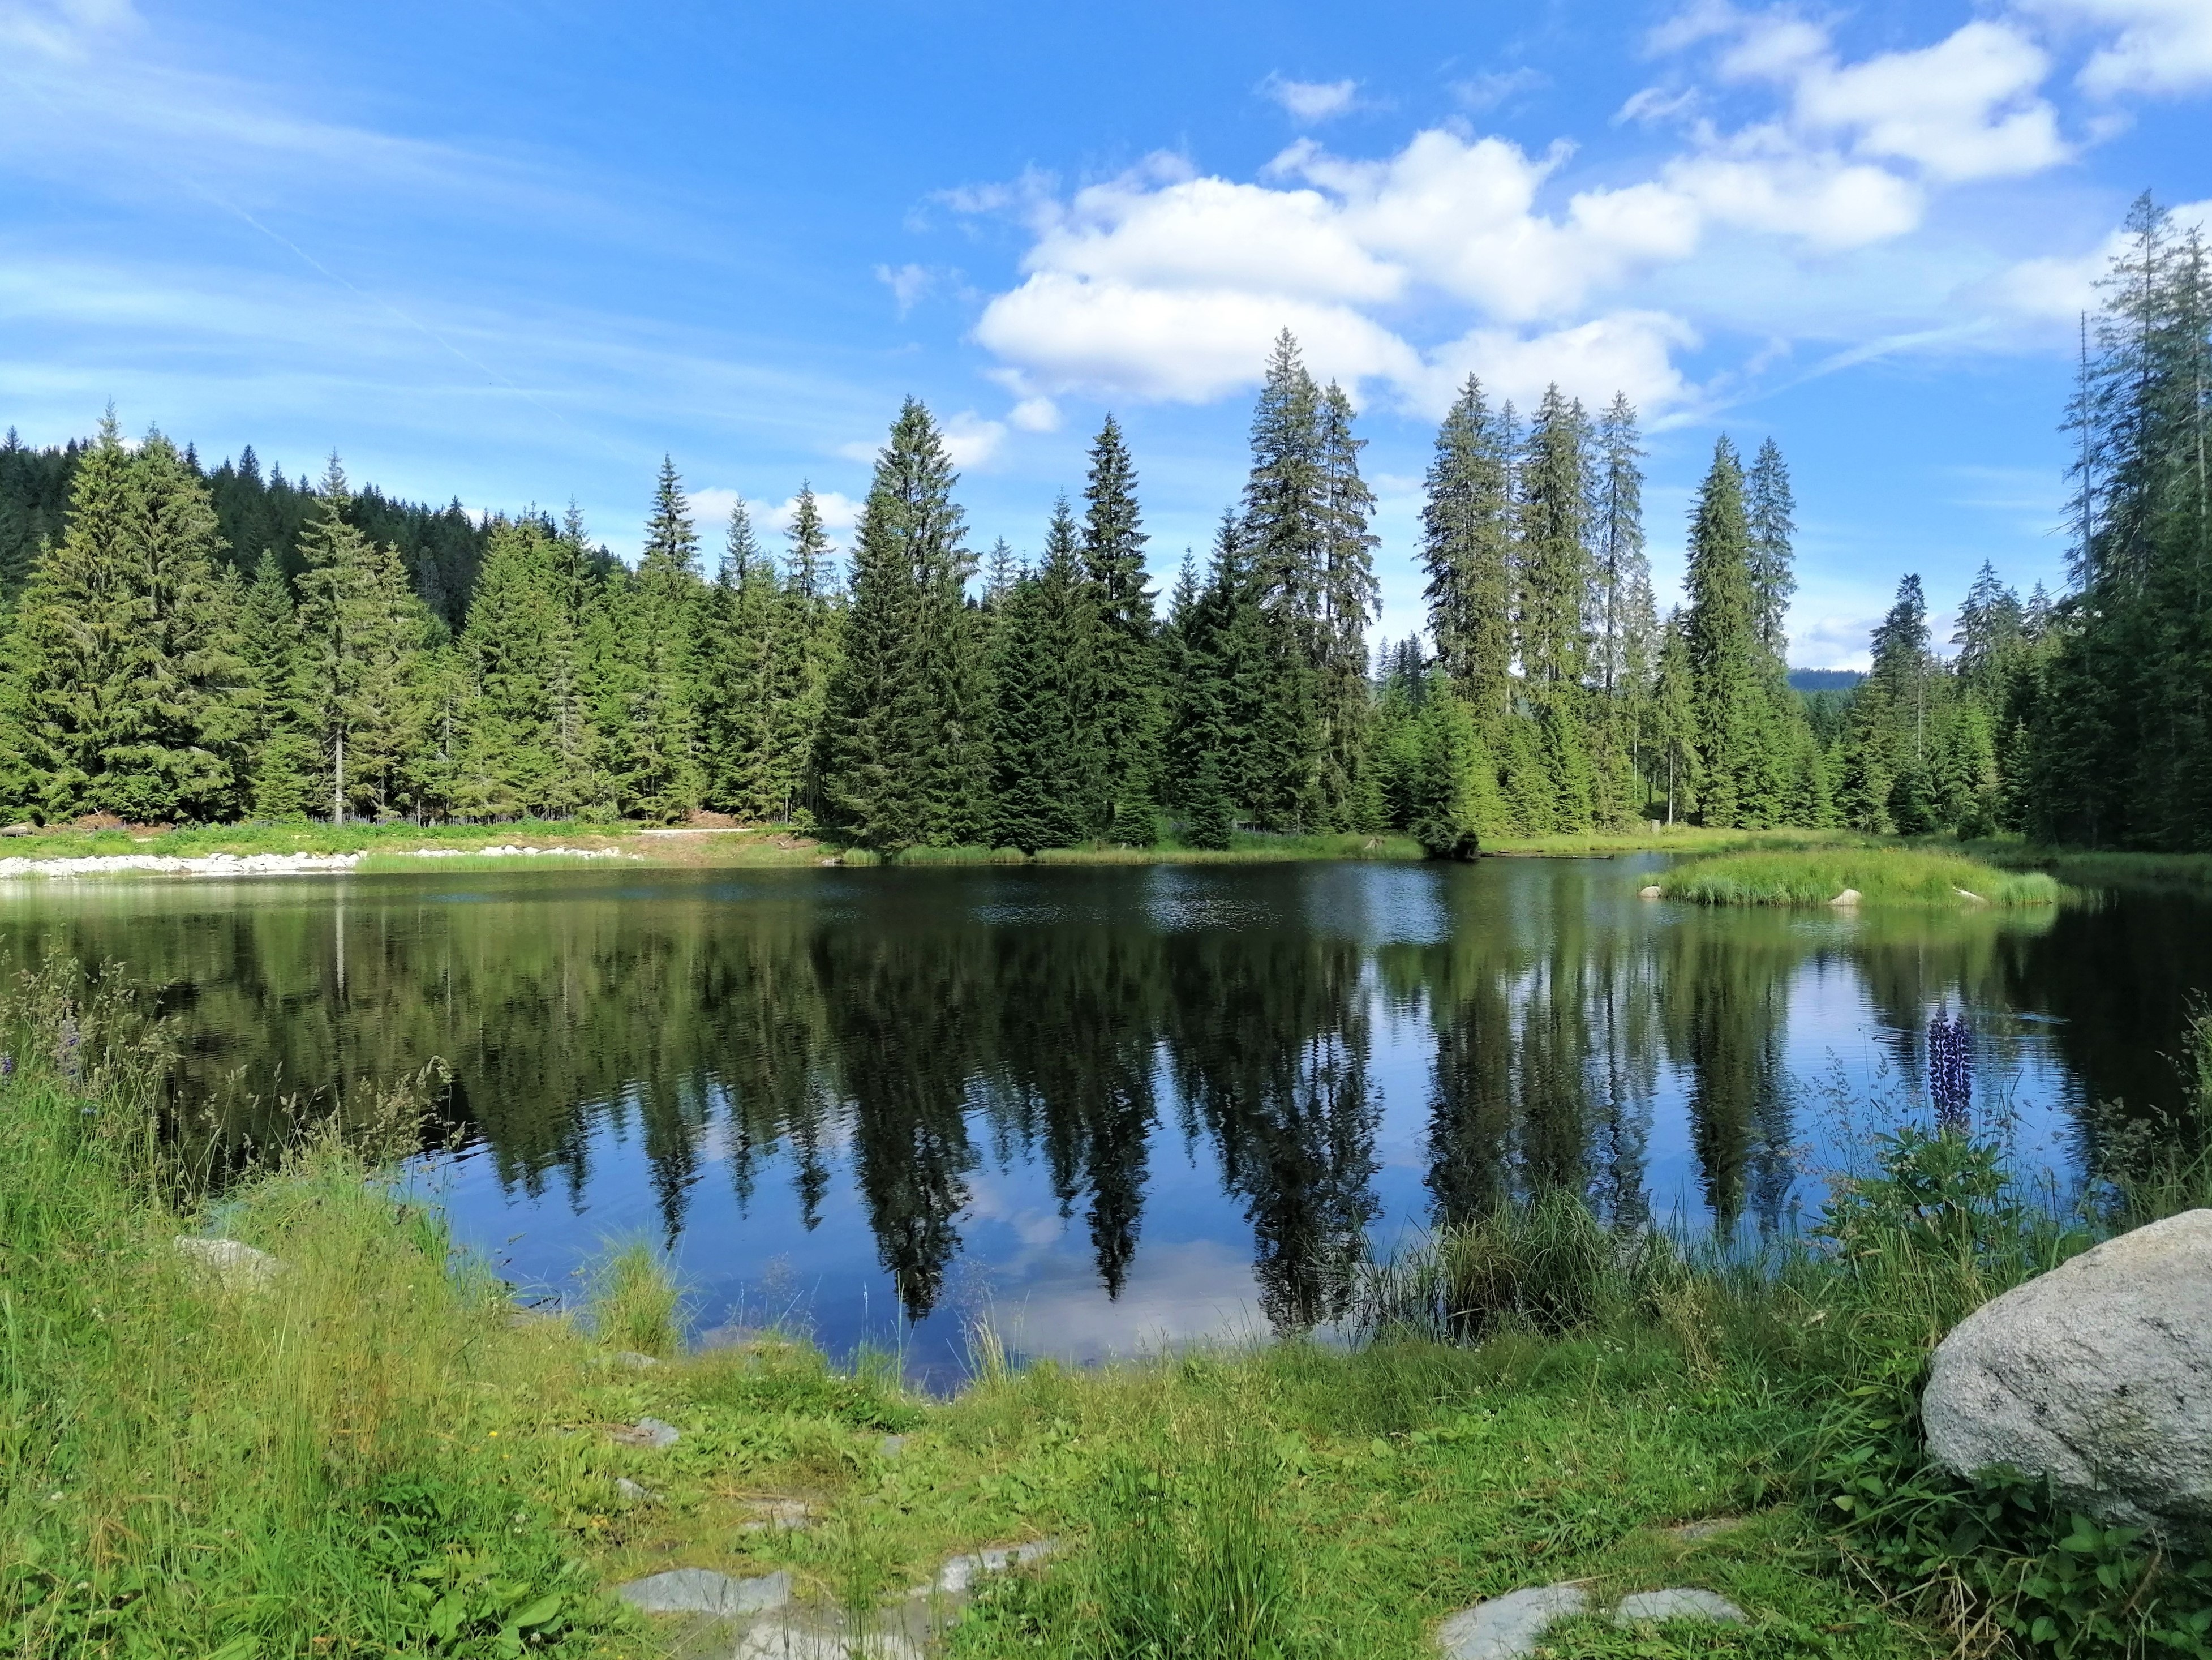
{"type": "Point", "coordinates": [914, 1027]}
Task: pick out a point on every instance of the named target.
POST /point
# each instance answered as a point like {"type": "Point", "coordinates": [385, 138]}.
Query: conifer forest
{"type": "Point", "coordinates": [195, 646]}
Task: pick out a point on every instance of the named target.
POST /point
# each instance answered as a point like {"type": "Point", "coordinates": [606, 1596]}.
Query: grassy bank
{"type": "Point", "coordinates": [2081, 867]}
{"type": "Point", "coordinates": [1878, 876]}
{"type": "Point", "coordinates": [367, 1453]}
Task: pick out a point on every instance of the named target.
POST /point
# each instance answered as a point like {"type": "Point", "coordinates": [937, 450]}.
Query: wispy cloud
{"type": "Point", "coordinates": [1311, 101]}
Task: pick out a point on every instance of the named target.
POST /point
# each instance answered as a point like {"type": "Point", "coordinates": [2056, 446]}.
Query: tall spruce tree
{"type": "Point", "coordinates": [1348, 796]}
{"type": "Point", "coordinates": [812, 634]}
{"type": "Point", "coordinates": [908, 757]}
{"type": "Point", "coordinates": [1770, 511]}
{"type": "Point", "coordinates": [1725, 652]}
{"type": "Point", "coordinates": [1466, 551]}
{"type": "Point", "coordinates": [1121, 704]}
{"type": "Point", "coordinates": [1283, 554]}
{"type": "Point", "coordinates": [1045, 748]}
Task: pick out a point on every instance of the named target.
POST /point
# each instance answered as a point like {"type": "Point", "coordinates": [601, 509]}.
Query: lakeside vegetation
{"type": "Point", "coordinates": [1878, 876]}
{"type": "Point", "coordinates": [366, 1450]}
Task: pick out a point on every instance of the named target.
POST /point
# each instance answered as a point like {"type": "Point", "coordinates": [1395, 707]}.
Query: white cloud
{"type": "Point", "coordinates": [2159, 46]}
{"type": "Point", "coordinates": [1308, 101]}
{"type": "Point", "coordinates": [1036, 414]}
{"type": "Point", "coordinates": [1965, 108]}
{"type": "Point", "coordinates": [2061, 287]}
{"type": "Point", "coordinates": [1627, 352]}
{"type": "Point", "coordinates": [710, 512]}
{"type": "Point", "coordinates": [970, 440]}
{"type": "Point", "coordinates": [838, 513]}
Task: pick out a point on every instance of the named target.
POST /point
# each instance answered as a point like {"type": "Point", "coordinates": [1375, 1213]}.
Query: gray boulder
{"type": "Point", "coordinates": [2098, 1374]}
{"type": "Point", "coordinates": [236, 1265]}
{"type": "Point", "coordinates": [1507, 1627]}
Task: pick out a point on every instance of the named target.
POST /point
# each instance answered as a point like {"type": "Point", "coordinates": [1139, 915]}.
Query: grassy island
{"type": "Point", "coordinates": [1870, 875]}
{"type": "Point", "coordinates": [357, 1446]}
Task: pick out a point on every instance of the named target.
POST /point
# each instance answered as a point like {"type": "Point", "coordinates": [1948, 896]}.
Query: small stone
{"type": "Point", "coordinates": [634, 1360]}
{"type": "Point", "coordinates": [891, 1445]}
{"type": "Point", "coordinates": [634, 1491]}
{"type": "Point", "coordinates": [1677, 1602]}
{"type": "Point", "coordinates": [701, 1590]}
{"type": "Point", "coordinates": [796, 1634]}
{"type": "Point", "coordinates": [237, 1265]}
{"type": "Point", "coordinates": [646, 1432]}
{"type": "Point", "coordinates": [962, 1571]}
{"type": "Point", "coordinates": [1507, 1627]}
{"type": "Point", "coordinates": [20, 830]}
{"type": "Point", "coordinates": [780, 1516]}
{"type": "Point", "coordinates": [1848, 896]}
{"type": "Point", "coordinates": [1651, 892]}
{"type": "Point", "coordinates": [1969, 895]}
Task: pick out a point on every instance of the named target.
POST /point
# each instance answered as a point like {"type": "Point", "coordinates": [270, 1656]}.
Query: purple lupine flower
{"type": "Point", "coordinates": [1950, 1073]}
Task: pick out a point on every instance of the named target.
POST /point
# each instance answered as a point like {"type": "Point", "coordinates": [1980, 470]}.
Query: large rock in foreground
{"type": "Point", "coordinates": [2098, 1374]}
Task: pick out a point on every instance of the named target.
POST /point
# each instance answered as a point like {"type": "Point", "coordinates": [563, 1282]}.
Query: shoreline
{"type": "Point", "coordinates": [238, 851]}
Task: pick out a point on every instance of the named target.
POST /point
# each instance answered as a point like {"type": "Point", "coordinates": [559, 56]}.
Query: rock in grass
{"type": "Point", "coordinates": [1655, 891]}
{"type": "Point", "coordinates": [636, 1493]}
{"type": "Point", "coordinates": [1677, 1602]}
{"type": "Point", "coordinates": [2098, 1375]}
{"type": "Point", "coordinates": [646, 1432]}
{"type": "Point", "coordinates": [701, 1590]}
{"type": "Point", "coordinates": [634, 1360]}
{"type": "Point", "coordinates": [962, 1571]}
{"type": "Point", "coordinates": [1507, 1627]}
{"type": "Point", "coordinates": [1848, 896]}
{"type": "Point", "coordinates": [235, 1264]}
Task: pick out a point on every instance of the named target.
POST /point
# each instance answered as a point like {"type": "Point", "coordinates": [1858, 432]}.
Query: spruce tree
{"type": "Point", "coordinates": [1770, 511]}
{"type": "Point", "coordinates": [354, 630]}
{"type": "Point", "coordinates": [907, 755]}
{"type": "Point", "coordinates": [1467, 533]}
{"type": "Point", "coordinates": [1554, 575]}
{"type": "Point", "coordinates": [664, 771]}
{"type": "Point", "coordinates": [1283, 552]}
{"type": "Point", "coordinates": [279, 764]}
{"type": "Point", "coordinates": [1121, 709]}
{"type": "Point", "coordinates": [812, 634]}
{"type": "Point", "coordinates": [1725, 651]}
{"type": "Point", "coordinates": [507, 759]}
{"type": "Point", "coordinates": [1454, 784]}
{"type": "Point", "coordinates": [1044, 750]}
{"type": "Point", "coordinates": [1347, 797]}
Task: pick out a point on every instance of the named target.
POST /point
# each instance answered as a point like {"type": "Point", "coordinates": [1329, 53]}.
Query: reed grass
{"type": "Point", "coordinates": [1879, 876]}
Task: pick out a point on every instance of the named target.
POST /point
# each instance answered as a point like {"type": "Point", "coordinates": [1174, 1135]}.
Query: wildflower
{"type": "Point", "coordinates": [1950, 1077]}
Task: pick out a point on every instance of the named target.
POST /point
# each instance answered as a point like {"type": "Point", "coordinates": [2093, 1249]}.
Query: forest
{"type": "Point", "coordinates": [185, 645]}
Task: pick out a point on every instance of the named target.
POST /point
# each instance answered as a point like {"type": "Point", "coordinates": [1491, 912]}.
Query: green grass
{"type": "Point", "coordinates": [1880, 876]}
{"type": "Point", "coordinates": [2083, 867]}
{"type": "Point", "coordinates": [371, 1456]}
{"type": "Point", "coordinates": [1675, 838]}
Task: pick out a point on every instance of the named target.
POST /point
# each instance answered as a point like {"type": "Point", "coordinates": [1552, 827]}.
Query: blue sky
{"type": "Point", "coordinates": [514, 250]}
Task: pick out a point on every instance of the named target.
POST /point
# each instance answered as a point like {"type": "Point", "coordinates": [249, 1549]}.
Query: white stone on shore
{"type": "Point", "coordinates": [236, 1265]}
{"type": "Point", "coordinates": [1848, 896]}
{"type": "Point", "coordinates": [272, 864]}
{"type": "Point", "coordinates": [1507, 1627]}
{"type": "Point", "coordinates": [1652, 892]}
{"type": "Point", "coordinates": [701, 1590]}
{"type": "Point", "coordinates": [962, 1571]}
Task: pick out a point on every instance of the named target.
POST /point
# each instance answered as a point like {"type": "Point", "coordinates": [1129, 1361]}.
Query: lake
{"type": "Point", "coordinates": [1114, 1106]}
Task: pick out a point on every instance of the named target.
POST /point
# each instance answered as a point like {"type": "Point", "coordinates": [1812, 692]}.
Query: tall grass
{"type": "Point", "coordinates": [632, 1301]}
{"type": "Point", "coordinates": [1880, 876]}
{"type": "Point", "coordinates": [189, 1465]}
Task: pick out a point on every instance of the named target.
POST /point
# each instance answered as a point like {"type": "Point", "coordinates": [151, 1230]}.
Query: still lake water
{"type": "Point", "coordinates": [1114, 1106]}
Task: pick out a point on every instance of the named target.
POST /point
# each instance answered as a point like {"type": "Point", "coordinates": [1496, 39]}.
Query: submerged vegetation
{"type": "Point", "coordinates": [362, 1448]}
{"type": "Point", "coordinates": [1892, 876]}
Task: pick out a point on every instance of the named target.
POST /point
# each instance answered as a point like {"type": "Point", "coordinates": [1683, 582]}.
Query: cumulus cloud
{"type": "Point", "coordinates": [970, 440]}
{"type": "Point", "coordinates": [1310, 101]}
{"type": "Point", "coordinates": [2061, 287]}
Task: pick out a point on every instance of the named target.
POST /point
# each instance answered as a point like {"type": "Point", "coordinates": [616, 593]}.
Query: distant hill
{"type": "Point", "coordinates": [1824, 679]}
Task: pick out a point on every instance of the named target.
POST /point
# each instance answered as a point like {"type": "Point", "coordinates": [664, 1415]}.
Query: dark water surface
{"type": "Point", "coordinates": [1115, 1105]}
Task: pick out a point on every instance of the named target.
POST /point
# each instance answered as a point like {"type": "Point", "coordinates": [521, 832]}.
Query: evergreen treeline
{"type": "Point", "coordinates": [2084, 719]}
{"type": "Point", "coordinates": [918, 698]}
{"type": "Point", "coordinates": [440, 547]}
{"type": "Point", "coordinates": [924, 697]}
